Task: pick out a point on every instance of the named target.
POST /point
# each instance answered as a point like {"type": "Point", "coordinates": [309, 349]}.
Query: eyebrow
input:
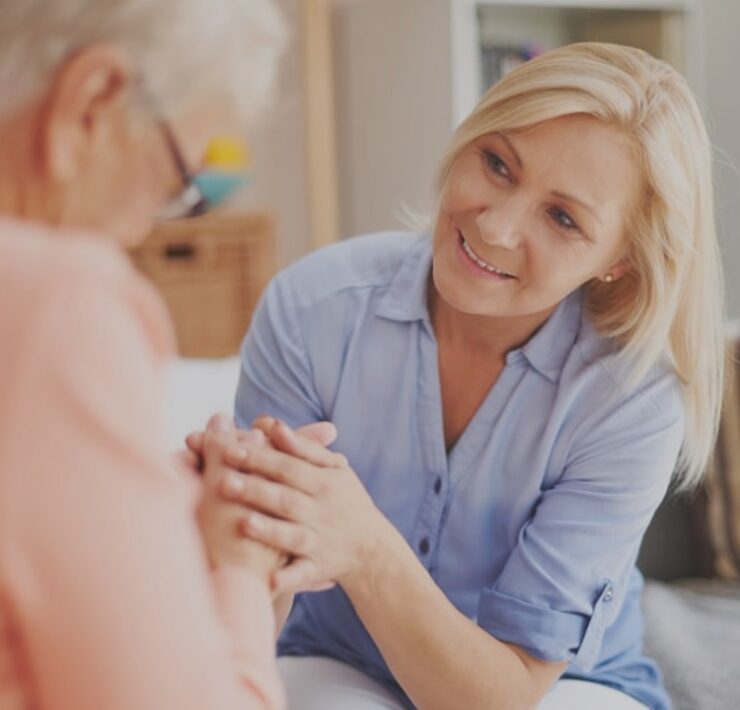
{"type": "Point", "coordinates": [511, 147]}
{"type": "Point", "coordinates": [575, 200]}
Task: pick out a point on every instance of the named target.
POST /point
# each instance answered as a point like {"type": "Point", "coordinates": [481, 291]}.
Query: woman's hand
{"type": "Point", "coordinates": [307, 501]}
{"type": "Point", "coordinates": [323, 433]}
{"type": "Point", "coordinates": [219, 520]}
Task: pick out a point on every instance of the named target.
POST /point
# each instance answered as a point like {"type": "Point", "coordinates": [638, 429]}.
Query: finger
{"type": "Point", "coordinates": [232, 445]}
{"type": "Point", "coordinates": [271, 498]}
{"type": "Point", "coordinates": [323, 433]}
{"type": "Point", "coordinates": [278, 467]}
{"type": "Point", "coordinates": [194, 441]}
{"type": "Point", "coordinates": [291, 538]}
{"type": "Point", "coordinates": [216, 445]}
{"type": "Point", "coordinates": [251, 437]}
{"type": "Point", "coordinates": [287, 441]}
{"type": "Point", "coordinates": [320, 587]}
{"type": "Point", "coordinates": [220, 423]}
{"type": "Point", "coordinates": [303, 574]}
{"type": "Point", "coordinates": [264, 424]}
{"type": "Point", "coordinates": [188, 459]}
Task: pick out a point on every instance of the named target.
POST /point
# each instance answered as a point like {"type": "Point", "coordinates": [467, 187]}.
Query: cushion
{"type": "Point", "coordinates": [693, 632]}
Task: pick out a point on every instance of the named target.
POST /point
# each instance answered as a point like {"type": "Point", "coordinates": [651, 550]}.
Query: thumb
{"type": "Point", "coordinates": [324, 433]}
{"type": "Point", "coordinates": [220, 423]}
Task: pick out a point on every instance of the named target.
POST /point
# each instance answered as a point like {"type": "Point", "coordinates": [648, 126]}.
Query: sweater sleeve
{"type": "Point", "coordinates": [109, 588]}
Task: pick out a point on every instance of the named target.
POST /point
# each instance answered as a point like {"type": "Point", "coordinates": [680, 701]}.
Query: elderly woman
{"type": "Point", "coordinates": [514, 392]}
{"type": "Point", "coordinates": [107, 601]}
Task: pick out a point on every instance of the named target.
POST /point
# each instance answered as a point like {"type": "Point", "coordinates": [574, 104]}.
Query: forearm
{"type": "Point", "coordinates": [282, 605]}
{"type": "Point", "coordinates": [440, 657]}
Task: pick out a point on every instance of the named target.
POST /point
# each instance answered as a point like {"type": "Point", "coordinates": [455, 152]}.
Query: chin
{"type": "Point", "coordinates": [458, 296]}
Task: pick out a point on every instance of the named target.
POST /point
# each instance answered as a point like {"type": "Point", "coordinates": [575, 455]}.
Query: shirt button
{"type": "Point", "coordinates": [438, 486]}
{"type": "Point", "coordinates": [608, 595]}
{"type": "Point", "coordinates": [424, 546]}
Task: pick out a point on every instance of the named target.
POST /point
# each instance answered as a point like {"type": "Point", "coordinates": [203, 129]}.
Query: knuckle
{"type": "Point", "coordinates": [292, 469]}
{"type": "Point", "coordinates": [302, 541]}
{"type": "Point", "coordinates": [250, 458]}
{"type": "Point", "coordinates": [250, 489]}
{"type": "Point", "coordinates": [286, 504]}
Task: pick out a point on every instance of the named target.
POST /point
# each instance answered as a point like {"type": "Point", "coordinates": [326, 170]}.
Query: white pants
{"type": "Point", "coordinates": [324, 684]}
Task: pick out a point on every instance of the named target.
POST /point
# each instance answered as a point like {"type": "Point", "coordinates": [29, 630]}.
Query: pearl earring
{"type": "Point", "coordinates": [609, 278]}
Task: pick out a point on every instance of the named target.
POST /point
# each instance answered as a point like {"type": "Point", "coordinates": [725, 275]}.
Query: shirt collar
{"type": "Point", "coordinates": [406, 297]}
{"type": "Point", "coordinates": [546, 351]}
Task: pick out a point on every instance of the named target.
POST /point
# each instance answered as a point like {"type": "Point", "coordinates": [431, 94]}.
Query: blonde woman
{"type": "Point", "coordinates": [107, 601]}
{"type": "Point", "coordinates": [514, 393]}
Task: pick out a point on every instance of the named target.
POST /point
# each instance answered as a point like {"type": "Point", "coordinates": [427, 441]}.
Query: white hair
{"type": "Point", "coordinates": [184, 50]}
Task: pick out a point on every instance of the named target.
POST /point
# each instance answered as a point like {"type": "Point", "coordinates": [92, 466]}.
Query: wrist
{"type": "Point", "coordinates": [253, 564]}
{"type": "Point", "coordinates": [375, 561]}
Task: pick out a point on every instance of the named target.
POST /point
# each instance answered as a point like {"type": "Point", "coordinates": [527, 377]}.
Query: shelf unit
{"type": "Point", "coordinates": [408, 71]}
{"type": "Point", "coordinates": [556, 22]}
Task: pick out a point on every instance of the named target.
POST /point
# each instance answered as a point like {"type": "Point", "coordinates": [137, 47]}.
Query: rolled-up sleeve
{"type": "Point", "coordinates": [566, 578]}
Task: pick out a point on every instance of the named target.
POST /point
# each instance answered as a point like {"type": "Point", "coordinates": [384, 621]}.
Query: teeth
{"type": "Point", "coordinates": [483, 264]}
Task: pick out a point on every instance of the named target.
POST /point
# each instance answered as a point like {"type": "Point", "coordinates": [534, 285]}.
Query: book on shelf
{"type": "Point", "coordinates": [497, 60]}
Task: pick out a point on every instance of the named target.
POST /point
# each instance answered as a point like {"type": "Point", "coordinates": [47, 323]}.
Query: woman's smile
{"type": "Point", "coordinates": [477, 265]}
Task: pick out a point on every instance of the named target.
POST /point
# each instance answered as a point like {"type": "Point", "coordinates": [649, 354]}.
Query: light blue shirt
{"type": "Point", "coordinates": [531, 524]}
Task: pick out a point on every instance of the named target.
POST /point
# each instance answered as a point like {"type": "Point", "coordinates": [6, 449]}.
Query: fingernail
{"type": "Point", "coordinates": [254, 522]}
{"type": "Point", "coordinates": [239, 453]}
{"type": "Point", "coordinates": [234, 484]}
{"type": "Point", "coordinates": [222, 423]}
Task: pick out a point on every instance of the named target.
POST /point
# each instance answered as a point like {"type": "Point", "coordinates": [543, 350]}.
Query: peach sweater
{"type": "Point", "coordinates": [106, 602]}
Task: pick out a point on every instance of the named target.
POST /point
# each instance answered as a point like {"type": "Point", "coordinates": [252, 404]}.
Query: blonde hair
{"type": "Point", "coordinates": [671, 301]}
{"type": "Point", "coordinates": [185, 50]}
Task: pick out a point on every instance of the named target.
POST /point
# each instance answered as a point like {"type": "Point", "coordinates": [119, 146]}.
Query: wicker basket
{"type": "Point", "coordinates": [211, 272]}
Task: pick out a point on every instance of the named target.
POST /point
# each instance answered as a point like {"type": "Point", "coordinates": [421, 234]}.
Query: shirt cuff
{"type": "Point", "coordinates": [546, 633]}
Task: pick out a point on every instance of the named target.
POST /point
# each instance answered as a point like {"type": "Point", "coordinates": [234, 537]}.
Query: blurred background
{"type": "Point", "coordinates": [369, 94]}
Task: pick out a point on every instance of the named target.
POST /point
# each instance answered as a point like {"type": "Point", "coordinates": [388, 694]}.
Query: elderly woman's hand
{"type": "Point", "coordinates": [219, 520]}
{"type": "Point", "coordinates": [307, 501]}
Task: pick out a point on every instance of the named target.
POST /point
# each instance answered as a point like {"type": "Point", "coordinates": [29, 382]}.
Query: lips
{"type": "Point", "coordinates": [479, 261]}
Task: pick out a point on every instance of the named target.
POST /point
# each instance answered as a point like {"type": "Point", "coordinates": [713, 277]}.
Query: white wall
{"type": "Point", "coordinates": [388, 158]}
{"type": "Point", "coordinates": [722, 87]}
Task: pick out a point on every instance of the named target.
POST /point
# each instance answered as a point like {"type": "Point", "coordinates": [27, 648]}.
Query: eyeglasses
{"type": "Point", "coordinates": [204, 190]}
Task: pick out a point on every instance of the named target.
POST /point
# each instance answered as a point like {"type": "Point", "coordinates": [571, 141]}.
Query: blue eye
{"type": "Point", "coordinates": [496, 165]}
{"type": "Point", "coordinates": [562, 219]}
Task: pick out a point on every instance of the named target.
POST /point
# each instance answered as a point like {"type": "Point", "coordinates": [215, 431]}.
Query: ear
{"type": "Point", "coordinates": [86, 91]}
{"type": "Point", "coordinates": [615, 272]}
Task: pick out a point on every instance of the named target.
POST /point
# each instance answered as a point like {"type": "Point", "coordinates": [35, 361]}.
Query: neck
{"type": "Point", "coordinates": [489, 335]}
{"type": "Point", "coordinates": [22, 187]}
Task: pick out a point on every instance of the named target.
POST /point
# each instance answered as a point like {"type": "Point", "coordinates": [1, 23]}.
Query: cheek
{"type": "Point", "coordinates": [148, 187]}
{"type": "Point", "coordinates": [140, 195]}
{"type": "Point", "coordinates": [558, 264]}
{"type": "Point", "coordinates": [466, 188]}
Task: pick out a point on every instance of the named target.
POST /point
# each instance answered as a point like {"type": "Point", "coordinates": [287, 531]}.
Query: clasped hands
{"type": "Point", "coordinates": [282, 504]}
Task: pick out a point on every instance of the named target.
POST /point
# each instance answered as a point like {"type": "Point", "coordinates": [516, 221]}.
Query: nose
{"type": "Point", "coordinates": [502, 225]}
